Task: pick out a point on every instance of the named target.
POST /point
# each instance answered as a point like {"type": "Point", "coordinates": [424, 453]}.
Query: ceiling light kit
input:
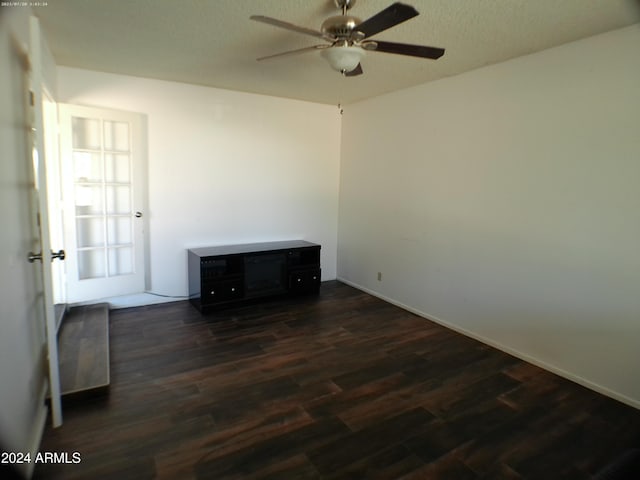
{"type": "Point", "coordinates": [348, 37]}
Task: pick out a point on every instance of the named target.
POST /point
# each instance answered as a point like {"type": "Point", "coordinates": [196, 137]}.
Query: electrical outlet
{"type": "Point", "coordinates": [379, 276]}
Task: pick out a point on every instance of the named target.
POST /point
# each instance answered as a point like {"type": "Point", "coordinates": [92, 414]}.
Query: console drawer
{"type": "Point", "coordinates": [214, 292]}
{"type": "Point", "coordinates": [304, 281]}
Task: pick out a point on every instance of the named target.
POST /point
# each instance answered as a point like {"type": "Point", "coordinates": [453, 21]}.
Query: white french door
{"type": "Point", "coordinates": [102, 159]}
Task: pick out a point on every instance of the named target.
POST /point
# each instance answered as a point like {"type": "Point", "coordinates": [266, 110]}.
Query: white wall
{"type": "Point", "coordinates": [22, 355]}
{"type": "Point", "coordinates": [224, 167]}
{"type": "Point", "coordinates": [505, 202]}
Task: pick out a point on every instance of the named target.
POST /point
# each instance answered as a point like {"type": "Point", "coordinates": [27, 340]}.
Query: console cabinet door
{"type": "Point", "coordinates": [304, 281]}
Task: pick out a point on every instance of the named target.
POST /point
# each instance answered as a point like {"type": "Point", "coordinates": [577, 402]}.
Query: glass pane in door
{"type": "Point", "coordinates": [120, 261]}
{"type": "Point", "coordinates": [118, 168]}
{"type": "Point", "coordinates": [87, 167]}
{"type": "Point", "coordinates": [119, 230]}
{"type": "Point", "coordinates": [118, 199]}
{"type": "Point", "coordinates": [86, 133]}
{"type": "Point", "coordinates": [91, 264]}
{"type": "Point", "coordinates": [89, 199]}
{"type": "Point", "coordinates": [116, 136]}
{"type": "Point", "coordinates": [90, 232]}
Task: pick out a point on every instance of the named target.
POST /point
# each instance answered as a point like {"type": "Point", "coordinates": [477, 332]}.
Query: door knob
{"type": "Point", "coordinates": [138, 214]}
{"type": "Point", "coordinates": [34, 256]}
{"type": "Point", "coordinates": [60, 255]}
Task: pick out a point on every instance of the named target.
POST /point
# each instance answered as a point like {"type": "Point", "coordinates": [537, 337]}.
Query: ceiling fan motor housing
{"type": "Point", "coordinates": [340, 26]}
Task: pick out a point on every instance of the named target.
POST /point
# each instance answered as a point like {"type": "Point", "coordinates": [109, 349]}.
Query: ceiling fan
{"type": "Point", "coordinates": [348, 37]}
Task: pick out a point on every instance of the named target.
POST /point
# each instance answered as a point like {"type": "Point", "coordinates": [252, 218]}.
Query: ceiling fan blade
{"type": "Point", "coordinates": [290, 26]}
{"type": "Point", "coordinates": [355, 72]}
{"type": "Point", "coordinates": [406, 49]}
{"type": "Point", "coordinates": [294, 52]}
{"type": "Point", "coordinates": [387, 18]}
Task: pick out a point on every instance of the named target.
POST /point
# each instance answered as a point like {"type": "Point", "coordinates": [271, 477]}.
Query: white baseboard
{"type": "Point", "coordinates": [523, 356]}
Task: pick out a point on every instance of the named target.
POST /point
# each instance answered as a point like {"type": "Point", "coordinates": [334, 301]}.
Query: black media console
{"type": "Point", "coordinates": [233, 274]}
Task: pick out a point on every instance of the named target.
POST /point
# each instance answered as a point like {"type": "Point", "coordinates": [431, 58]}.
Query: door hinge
{"type": "Point", "coordinates": [32, 98]}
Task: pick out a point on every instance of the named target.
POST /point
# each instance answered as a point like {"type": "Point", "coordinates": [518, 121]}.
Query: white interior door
{"type": "Point", "coordinates": [102, 158]}
{"type": "Point", "coordinates": [23, 376]}
{"type": "Point", "coordinates": [45, 256]}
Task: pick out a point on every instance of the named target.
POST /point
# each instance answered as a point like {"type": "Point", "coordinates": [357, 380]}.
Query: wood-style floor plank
{"type": "Point", "coordinates": [338, 386]}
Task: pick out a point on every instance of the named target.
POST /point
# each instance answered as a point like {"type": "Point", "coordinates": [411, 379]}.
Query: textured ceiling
{"type": "Point", "coordinates": [213, 42]}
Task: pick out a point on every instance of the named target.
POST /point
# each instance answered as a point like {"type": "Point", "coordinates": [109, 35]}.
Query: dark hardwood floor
{"type": "Point", "coordinates": [342, 385]}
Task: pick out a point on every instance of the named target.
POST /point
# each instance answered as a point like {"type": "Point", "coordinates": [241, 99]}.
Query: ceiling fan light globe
{"type": "Point", "coordinates": [343, 59]}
